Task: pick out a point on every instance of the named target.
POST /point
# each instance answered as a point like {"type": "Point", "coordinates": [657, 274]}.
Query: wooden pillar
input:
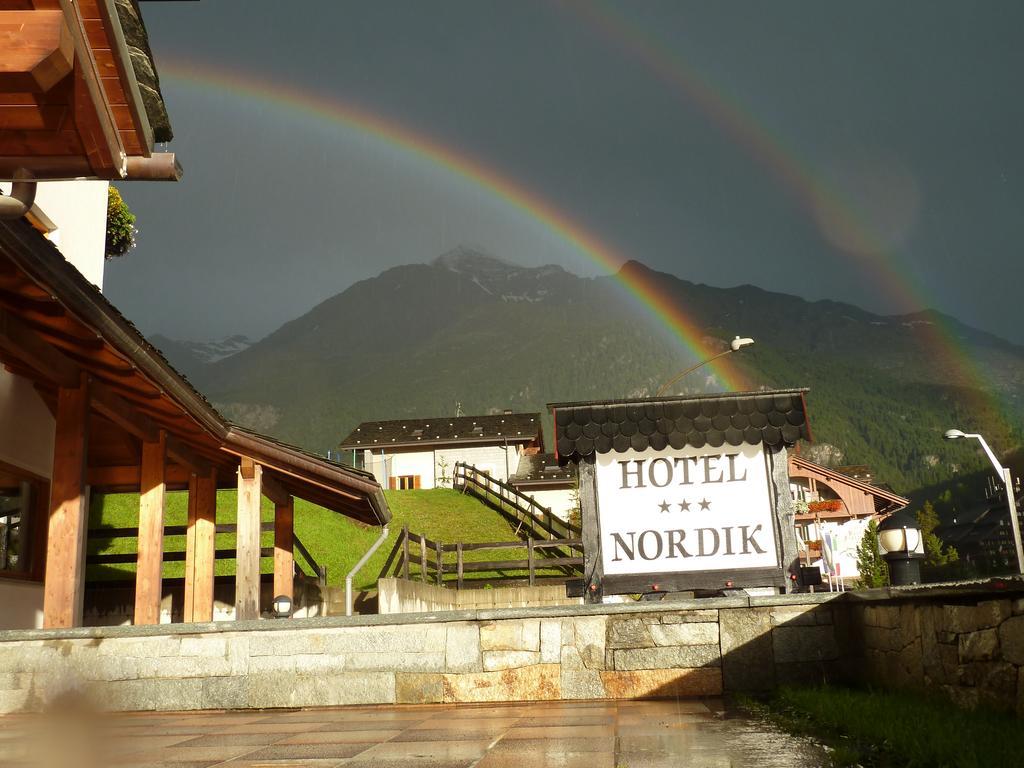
{"type": "Point", "coordinates": [152, 493]}
{"type": "Point", "coordinates": [284, 540]}
{"type": "Point", "coordinates": [247, 554]}
{"type": "Point", "coordinates": [200, 547]}
{"type": "Point", "coordinates": [68, 515]}
{"type": "Point", "coordinates": [593, 564]}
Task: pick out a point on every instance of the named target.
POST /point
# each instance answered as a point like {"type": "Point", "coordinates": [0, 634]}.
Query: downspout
{"type": "Point", "coordinates": [23, 195]}
{"type": "Point", "coordinates": [358, 567]}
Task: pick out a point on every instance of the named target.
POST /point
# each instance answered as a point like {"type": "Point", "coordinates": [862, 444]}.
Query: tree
{"type": "Point", "coordinates": [120, 225]}
{"type": "Point", "coordinates": [936, 554]}
{"type": "Point", "coordinates": [874, 572]}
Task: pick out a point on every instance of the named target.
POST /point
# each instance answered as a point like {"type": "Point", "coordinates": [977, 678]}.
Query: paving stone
{"type": "Point", "coordinates": [804, 643]}
{"type": "Point", "coordinates": [462, 648]}
{"type": "Point", "coordinates": [662, 683]}
{"type": "Point", "coordinates": [413, 688]}
{"type": "Point", "coordinates": [495, 660]}
{"type": "Point", "coordinates": [982, 645]}
{"type": "Point", "coordinates": [684, 634]}
{"type": "Point", "coordinates": [629, 632]}
{"type": "Point", "coordinates": [534, 683]}
{"type": "Point", "coordinates": [748, 662]}
{"type": "Point", "coordinates": [283, 689]}
{"type": "Point", "coordinates": [672, 657]}
{"type": "Point", "coordinates": [550, 641]}
{"type": "Point", "coordinates": [1011, 639]}
{"type": "Point", "coordinates": [970, 618]}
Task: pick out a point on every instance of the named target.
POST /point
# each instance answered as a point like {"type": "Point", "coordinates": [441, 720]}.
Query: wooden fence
{"type": "Point", "coordinates": [315, 570]}
{"type": "Point", "coordinates": [415, 556]}
{"type": "Point", "coordinates": [521, 509]}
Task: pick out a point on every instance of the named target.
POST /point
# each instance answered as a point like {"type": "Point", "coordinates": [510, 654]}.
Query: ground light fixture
{"type": "Point", "coordinates": [735, 345]}
{"type": "Point", "coordinates": [902, 547]}
{"type": "Point", "coordinates": [282, 606]}
{"type": "Point", "coordinates": [1007, 478]}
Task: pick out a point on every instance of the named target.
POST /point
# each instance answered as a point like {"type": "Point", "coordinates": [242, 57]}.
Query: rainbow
{"type": "Point", "coordinates": [859, 242]}
{"type": "Point", "coordinates": [655, 300]}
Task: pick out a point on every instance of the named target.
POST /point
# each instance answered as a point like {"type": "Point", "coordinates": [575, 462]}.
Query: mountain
{"type": "Point", "coordinates": [490, 335]}
{"type": "Point", "coordinates": [189, 357]}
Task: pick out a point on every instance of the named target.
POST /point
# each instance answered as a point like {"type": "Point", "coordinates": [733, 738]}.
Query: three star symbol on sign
{"type": "Point", "coordinates": [684, 505]}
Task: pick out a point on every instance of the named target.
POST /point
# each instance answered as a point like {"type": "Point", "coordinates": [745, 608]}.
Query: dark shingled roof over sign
{"type": "Point", "coordinates": [499, 428]}
{"type": "Point", "coordinates": [775, 418]}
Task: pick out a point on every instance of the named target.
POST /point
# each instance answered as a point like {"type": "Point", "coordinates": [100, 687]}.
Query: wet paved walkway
{"type": "Point", "coordinates": [690, 733]}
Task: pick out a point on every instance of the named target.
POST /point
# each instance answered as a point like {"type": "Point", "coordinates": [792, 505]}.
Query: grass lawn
{"type": "Point", "coordinates": [442, 515]}
{"type": "Point", "coordinates": [897, 729]}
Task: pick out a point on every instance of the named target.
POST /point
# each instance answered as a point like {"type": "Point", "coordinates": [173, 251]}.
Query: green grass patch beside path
{"type": "Point", "coordinates": [336, 541]}
{"type": "Point", "coordinates": [893, 729]}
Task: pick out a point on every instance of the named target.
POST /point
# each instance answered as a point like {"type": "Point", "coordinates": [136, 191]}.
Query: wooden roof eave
{"type": "Point", "coordinates": [349, 491]}
{"type": "Point", "coordinates": [874, 490]}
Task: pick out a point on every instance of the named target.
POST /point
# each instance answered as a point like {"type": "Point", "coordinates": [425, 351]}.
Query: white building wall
{"type": "Point", "coordinates": [486, 458]}
{"type": "Point", "coordinates": [22, 603]}
{"type": "Point", "coordinates": [561, 501]}
{"type": "Point", "coordinates": [78, 211]}
{"type": "Point", "coordinates": [846, 537]}
{"type": "Point", "coordinates": [428, 463]}
{"type": "Point", "coordinates": [26, 426]}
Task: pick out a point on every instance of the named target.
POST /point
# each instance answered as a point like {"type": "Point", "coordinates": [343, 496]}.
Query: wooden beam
{"type": "Point", "coordinates": [593, 565]}
{"type": "Point", "coordinates": [247, 558]}
{"type": "Point", "coordinates": [148, 574]}
{"type": "Point", "coordinates": [65, 552]}
{"type": "Point", "coordinates": [200, 549]}
{"type": "Point", "coordinates": [118, 410]}
{"type": "Point", "coordinates": [284, 542]}
{"type": "Point", "coordinates": [127, 477]}
{"type": "Point", "coordinates": [201, 544]}
{"type": "Point", "coordinates": [185, 456]}
{"type": "Point", "coordinates": [38, 50]}
{"type": "Point", "coordinates": [27, 345]}
{"type": "Point", "coordinates": [93, 116]}
{"type": "Point", "coordinates": [274, 491]}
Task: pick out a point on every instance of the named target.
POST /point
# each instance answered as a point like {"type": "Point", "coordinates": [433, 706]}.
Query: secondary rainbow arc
{"type": "Point", "coordinates": [652, 297]}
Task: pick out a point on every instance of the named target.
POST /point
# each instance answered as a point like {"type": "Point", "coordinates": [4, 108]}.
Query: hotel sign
{"type": "Point", "coordinates": [687, 510]}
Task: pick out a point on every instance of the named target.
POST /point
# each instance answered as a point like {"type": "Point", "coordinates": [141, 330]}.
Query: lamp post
{"type": "Point", "coordinates": [902, 547]}
{"type": "Point", "coordinates": [1007, 478]}
{"type": "Point", "coordinates": [734, 346]}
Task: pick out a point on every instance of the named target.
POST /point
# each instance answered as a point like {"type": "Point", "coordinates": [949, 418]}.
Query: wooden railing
{"type": "Point", "coordinates": [315, 570]}
{"type": "Point", "coordinates": [521, 509]}
{"type": "Point", "coordinates": [414, 556]}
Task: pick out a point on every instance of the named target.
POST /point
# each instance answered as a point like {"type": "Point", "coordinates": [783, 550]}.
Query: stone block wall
{"type": "Point", "coordinates": [697, 648]}
{"type": "Point", "coordinates": [969, 648]}
{"type": "Point", "coordinates": [405, 596]}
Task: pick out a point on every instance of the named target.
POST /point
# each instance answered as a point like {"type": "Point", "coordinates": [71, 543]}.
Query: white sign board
{"type": "Point", "coordinates": [685, 510]}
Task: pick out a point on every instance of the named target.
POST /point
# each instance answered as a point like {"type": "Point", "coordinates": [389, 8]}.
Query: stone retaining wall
{"type": "Point", "coordinates": [697, 648]}
{"type": "Point", "coordinates": [969, 648]}
{"type": "Point", "coordinates": [404, 596]}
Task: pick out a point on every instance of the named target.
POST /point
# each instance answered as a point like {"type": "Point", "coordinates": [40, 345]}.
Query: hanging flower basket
{"type": "Point", "coordinates": [826, 505]}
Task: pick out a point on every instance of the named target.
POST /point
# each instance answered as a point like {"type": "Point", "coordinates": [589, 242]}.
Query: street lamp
{"type": "Point", "coordinates": [734, 346]}
{"type": "Point", "coordinates": [902, 546]}
{"type": "Point", "coordinates": [1004, 474]}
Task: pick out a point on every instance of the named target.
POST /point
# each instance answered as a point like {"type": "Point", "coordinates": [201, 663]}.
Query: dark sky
{"type": "Point", "coordinates": [869, 152]}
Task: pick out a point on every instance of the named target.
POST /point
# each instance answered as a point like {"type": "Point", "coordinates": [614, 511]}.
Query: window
{"type": "Point", "coordinates": [22, 498]}
{"type": "Point", "coordinates": [405, 482]}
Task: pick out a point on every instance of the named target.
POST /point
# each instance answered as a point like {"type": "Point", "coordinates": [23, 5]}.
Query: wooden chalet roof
{"type": "Point", "coordinates": [776, 417]}
{"type": "Point", "coordinates": [495, 429]}
{"type": "Point", "coordinates": [56, 327]}
{"type": "Point", "coordinates": [79, 92]}
{"type": "Point", "coordinates": [885, 501]}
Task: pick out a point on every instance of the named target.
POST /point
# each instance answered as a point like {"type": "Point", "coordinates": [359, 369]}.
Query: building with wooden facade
{"type": "Point", "coordinates": [87, 405]}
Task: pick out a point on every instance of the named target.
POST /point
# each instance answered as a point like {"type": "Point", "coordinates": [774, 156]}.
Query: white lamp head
{"type": "Point", "coordinates": [739, 343]}
{"type": "Point", "coordinates": [953, 434]}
